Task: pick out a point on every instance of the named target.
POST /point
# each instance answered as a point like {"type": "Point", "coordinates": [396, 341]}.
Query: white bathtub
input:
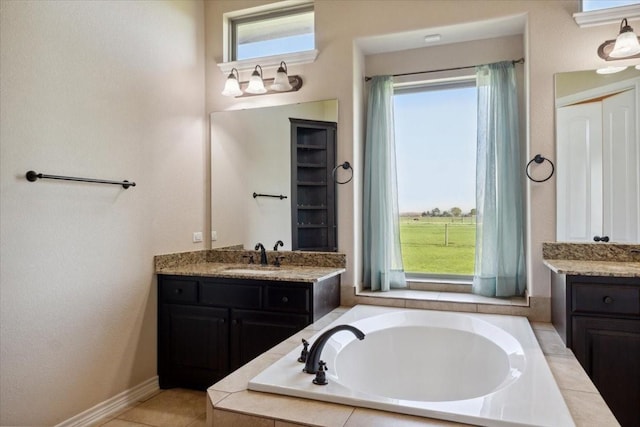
{"type": "Point", "coordinates": [472, 368]}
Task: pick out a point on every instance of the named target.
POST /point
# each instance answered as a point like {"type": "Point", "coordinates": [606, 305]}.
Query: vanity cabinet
{"type": "Point", "coordinates": [599, 319]}
{"type": "Point", "coordinates": [208, 327]}
{"type": "Point", "coordinates": [313, 208]}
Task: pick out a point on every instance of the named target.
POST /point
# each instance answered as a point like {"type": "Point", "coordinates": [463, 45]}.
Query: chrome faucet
{"type": "Point", "coordinates": [312, 363]}
{"type": "Point", "coordinates": [263, 254]}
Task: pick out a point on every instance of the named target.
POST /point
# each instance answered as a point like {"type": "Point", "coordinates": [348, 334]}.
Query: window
{"type": "Point", "coordinates": [435, 132]}
{"type": "Point", "coordinates": [589, 5]}
{"type": "Point", "coordinates": [603, 12]}
{"type": "Point", "coordinates": [272, 33]}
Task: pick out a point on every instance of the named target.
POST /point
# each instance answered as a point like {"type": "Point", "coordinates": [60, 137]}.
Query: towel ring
{"type": "Point", "coordinates": [539, 159]}
{"type": "Point", "coordinates": [345, 165]}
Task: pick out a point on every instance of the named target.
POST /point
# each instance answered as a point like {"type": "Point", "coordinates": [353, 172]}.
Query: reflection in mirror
{"type": "Point", "coordinates": [251, 152]}
{"type": "Point", "coordinates": [598, 157]}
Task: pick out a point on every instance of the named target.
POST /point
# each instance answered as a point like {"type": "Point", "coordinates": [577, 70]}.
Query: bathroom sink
{"type": "Point", "coordinates": [251, 271]}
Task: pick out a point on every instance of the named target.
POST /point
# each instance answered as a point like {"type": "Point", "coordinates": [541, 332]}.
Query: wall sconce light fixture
{"type": "Point", "coordinates": [232, 86]}
{"type": "Point", "coordinates": [625, 46]}
{"type": "Point", "coordinates": [257, 84]}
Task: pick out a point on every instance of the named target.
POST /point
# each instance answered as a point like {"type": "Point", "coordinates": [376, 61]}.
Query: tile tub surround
{"type": "Point", "coordinates": [231, 403]}
{"type": "Point", "coordinates": [296, 267]}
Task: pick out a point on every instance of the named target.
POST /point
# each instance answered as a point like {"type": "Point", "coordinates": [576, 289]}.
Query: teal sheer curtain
{"type": "Point", "coordinates": [499, 266]}
{"type": "Point", "coordinates": [383, 268]}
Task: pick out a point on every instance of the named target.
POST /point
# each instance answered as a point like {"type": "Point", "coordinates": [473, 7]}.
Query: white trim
{"type": "Point", "coordinates": [269, 62]}
{"type": "Point", "coordinates": [597, 92]}
{"type": "Point", "coordinates": [607, 16]}
{"type": "Point", "coordinates": [114, 404]}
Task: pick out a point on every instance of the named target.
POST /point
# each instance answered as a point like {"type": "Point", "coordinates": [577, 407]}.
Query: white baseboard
{"type": "Point", "coordinates": [114, 404]}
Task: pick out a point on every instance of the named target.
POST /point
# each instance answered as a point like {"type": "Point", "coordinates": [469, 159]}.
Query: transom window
{"type": "Point", "coordinates": [273, 33]}
{"type": "Point", "coordinates": [589, 5]}
{"type": "Point", "coordinates": [435, 134]}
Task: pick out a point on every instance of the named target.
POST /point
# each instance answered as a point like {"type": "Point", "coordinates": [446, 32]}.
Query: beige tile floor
{"type": "Point", "coordinates": [167, 408]}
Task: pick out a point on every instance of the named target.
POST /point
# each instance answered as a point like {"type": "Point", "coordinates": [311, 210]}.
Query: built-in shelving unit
{"type": "Point", "coordinates": [313, 211]}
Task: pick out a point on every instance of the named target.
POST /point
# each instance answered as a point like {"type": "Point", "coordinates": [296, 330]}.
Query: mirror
{"type": "Point", "coordinates": [598, 156]}
{"type": "Point", "coordinates": [251, 152]}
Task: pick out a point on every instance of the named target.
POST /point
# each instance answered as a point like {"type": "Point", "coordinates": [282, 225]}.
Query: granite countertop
{"type": "Point", "coordinates": [589, 259]}
{"type": "Point", "coordinates": [594, 268]}
{"type": "Point", "coordinates": [231, 263]}
{"type": "Point", "coordinates": [285, 273]}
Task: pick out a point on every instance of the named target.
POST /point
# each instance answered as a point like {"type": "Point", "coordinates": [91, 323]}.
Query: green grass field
{"type": "Point", "coordinates": [425, 249]}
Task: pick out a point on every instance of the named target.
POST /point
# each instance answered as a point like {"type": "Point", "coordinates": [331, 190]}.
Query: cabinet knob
{"type": "Point", "coordinates": [285, 300]}
{"type": "Point", "coordinates": [607, 300]}
{"type": "Point", "coordinates": [178, 291]}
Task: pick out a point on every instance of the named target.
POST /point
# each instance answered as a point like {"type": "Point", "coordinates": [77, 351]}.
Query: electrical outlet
{"type": "Point", "coordinates": [214, 236]}
{"type": "Point", "coordinates": [197, 237]}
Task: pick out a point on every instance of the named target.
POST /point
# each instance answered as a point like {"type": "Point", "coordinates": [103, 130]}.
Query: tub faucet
{"type": "Point", "coordinates": [263, 254]}
{"type": "Point", "coordinates": [312, 363]}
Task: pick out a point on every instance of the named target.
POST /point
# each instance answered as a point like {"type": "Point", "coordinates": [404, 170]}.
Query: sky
{"type": "Point", "coordinates": [435, 149]}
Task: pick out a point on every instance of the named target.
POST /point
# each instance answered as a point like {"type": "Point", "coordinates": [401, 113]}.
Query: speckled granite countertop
{"type": "Point", "coordinates": [233, 263]}
{"type": "Point", "coordinates": [286, 273]}
{"type": "Point", "coordinates": [592, 259]}
{"type": "Point", "coordinates": [594, 268]}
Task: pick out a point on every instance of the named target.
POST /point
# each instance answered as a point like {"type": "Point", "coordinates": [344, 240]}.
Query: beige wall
{"type": "Point", "coordinates": [107, 89]}
{"type": "Point", "coordinates": [552, 43]}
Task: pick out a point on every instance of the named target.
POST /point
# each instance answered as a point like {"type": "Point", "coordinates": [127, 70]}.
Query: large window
{"type": "Point", "coordinates": [435, 131]}
{"type": "Point", "coordinates": [274, 33]}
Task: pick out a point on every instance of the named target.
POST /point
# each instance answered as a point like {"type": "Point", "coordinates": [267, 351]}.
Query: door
{"type": "Point", "coordinates": [579, 185]}
{"type": "Point", "coordinates": [621, 161]}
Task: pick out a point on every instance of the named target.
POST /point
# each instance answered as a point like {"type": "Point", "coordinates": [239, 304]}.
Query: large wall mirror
{"type": "Point", "coordinates": [598, 156]}
{"type": "Point", "coordinates": [251, 153]}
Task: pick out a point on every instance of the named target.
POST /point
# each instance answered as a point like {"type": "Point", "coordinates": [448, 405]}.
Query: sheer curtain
{"type": "Point", "coordinates": [499, 266]}
{"type": "Point", "coordinates": [381, 230]}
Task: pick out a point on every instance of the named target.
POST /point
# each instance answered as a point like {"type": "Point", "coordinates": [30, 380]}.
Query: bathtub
{"type": "Point", "coordinates": [471, 368]}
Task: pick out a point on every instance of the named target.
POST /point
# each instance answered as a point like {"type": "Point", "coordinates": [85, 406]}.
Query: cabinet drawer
{"type": "Point", "coordinates": [283, 298]}
{"type": "Point", "coordinates": [609, 299]}
{"type": "Point", "coordinates": [231, 295]}
{"type": "Point", "coordinates": [177, 290]}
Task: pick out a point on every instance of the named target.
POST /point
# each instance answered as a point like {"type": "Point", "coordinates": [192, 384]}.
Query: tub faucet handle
{"type": "Point", "coordinates": [304, 352]}
{"type": "Point", "coordinates": [321, 377]}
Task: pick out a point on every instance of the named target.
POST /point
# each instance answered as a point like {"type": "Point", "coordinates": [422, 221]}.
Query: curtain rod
{"type": "Point", "coordinates": [515, 61]}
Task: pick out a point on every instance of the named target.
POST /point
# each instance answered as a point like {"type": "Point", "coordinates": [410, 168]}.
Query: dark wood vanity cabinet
{"type": "Point", "coordinates": [313, 206]}
{"type": "Point", "coordinates": [208, 327]}
{"type": "Point", "coordinates": [599, 319]}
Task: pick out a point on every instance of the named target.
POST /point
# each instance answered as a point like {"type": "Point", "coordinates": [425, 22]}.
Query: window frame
{"type": "Point", "coordinates": [257, 17]}
{"type": "Point", "coordinates": [462, 80]}
{"type": "Point", "coordinates": [612, 15]}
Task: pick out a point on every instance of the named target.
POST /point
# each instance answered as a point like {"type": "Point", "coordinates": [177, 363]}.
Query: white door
{"type": "Point", "coordinates": [579, 175]}
{"type": "Point", "coordinates": [620, 162]}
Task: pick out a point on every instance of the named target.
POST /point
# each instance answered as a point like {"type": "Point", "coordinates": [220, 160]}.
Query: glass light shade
{"type": "Point", "coordinates": [281, 82]}
{"type": "Point", "coordinates": [231, 86]}
{"type": "Point", "coordinates": [610, 70]}
{"type": "Point", "coordinates": [626, 45]}
{"type": "Point", "coordinates": [256, 85]}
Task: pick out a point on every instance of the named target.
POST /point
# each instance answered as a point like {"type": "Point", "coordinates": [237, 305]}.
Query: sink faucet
{"type": "Point", "coordinates": [263, 254]}
{"type": "Point", "coordinates": [278, 243]}
{"type": "Point", "coordinates": [312, 363]}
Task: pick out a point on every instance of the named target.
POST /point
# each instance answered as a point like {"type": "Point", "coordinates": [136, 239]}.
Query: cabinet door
{"type": "Point", "coordinates": [254, 332]}
{"type": "Point", "coordinates": [609, 351]}
{"type": "Point", "coordinates": [193, 349]}
{"type": "Point", "coordinates": [579, 180]}
{"type": "Point", "coordinates": [621, 146]}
